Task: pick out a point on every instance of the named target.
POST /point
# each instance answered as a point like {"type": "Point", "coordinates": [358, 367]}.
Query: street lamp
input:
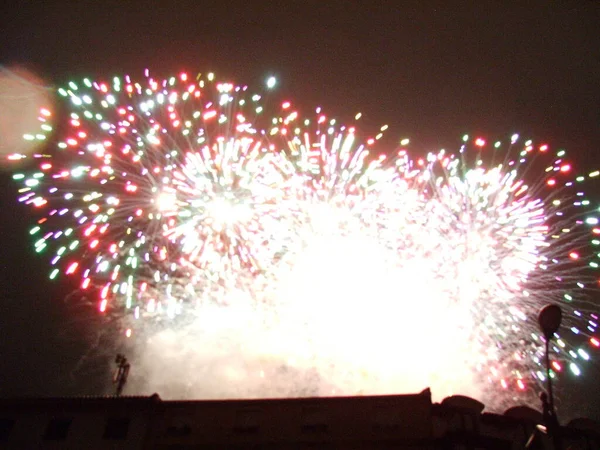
{"type": "Point", "coordinates": [549, 320]}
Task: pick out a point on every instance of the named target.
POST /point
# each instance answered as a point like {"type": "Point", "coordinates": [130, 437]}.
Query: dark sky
{"type": "Point", "coordinates": [431, 70]}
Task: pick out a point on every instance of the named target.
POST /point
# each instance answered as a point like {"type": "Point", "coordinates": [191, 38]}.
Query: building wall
{"type": "Point", "coordinates": [374, 422]}
{"type": "Point", "coordinates": [358, 422]}
{"type": "Point", "coordinates": [74, 423]}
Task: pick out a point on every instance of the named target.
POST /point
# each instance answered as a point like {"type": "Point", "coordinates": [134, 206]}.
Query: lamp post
{"type": "Point", "coordinates": [549, 320]}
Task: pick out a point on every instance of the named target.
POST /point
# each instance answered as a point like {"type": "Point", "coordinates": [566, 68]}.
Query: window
{"type": "Point", "coordinates": [386, 418]}
{"type": "Point", "coordinates": [6, 426]}
{"type": "Point", "coordinates": [316, 446]}
{"type": "Point", "coordinates": [179, 430]}
{"type": "Point", "coordinates": [116, 428]}
{"type": "Point", "coordinates": [247, 421]}
{"type": "Point", "coordinates": [57, 429]}
{"type": "Point", "coordinates": [178, 426]}
{"type": "Point", "coordinates": [314, 420]}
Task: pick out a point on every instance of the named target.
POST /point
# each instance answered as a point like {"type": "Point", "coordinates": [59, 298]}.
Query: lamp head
{"type": "Point", "coordinates": [549, 320]}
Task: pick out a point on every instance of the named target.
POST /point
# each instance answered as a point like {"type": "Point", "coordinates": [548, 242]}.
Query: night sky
{"type": "Point", "coordinates": [431, 70]}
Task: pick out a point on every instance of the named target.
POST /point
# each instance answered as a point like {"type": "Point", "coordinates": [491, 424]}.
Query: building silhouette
{"type": "Point", "coordinates": [369, 422]}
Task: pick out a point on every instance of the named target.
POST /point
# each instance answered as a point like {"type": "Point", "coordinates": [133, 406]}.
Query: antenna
{"type": "Point", "coordinates": [121, 374]}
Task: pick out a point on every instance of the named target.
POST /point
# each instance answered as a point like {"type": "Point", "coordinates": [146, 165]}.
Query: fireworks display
{"type": "Point", "coordinates": [191, 197]}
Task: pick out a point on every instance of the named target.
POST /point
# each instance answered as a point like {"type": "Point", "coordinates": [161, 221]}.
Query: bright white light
{"type": "Point", "coordinates": [271, 82]}
{"type": "Point", "coordinates": [166, 202]}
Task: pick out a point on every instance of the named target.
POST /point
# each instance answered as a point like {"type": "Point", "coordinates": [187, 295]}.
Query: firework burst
{"type": "Point", "coordinates": [166, 185]}
{"type": "Point", "coordinates": [181, 194]}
